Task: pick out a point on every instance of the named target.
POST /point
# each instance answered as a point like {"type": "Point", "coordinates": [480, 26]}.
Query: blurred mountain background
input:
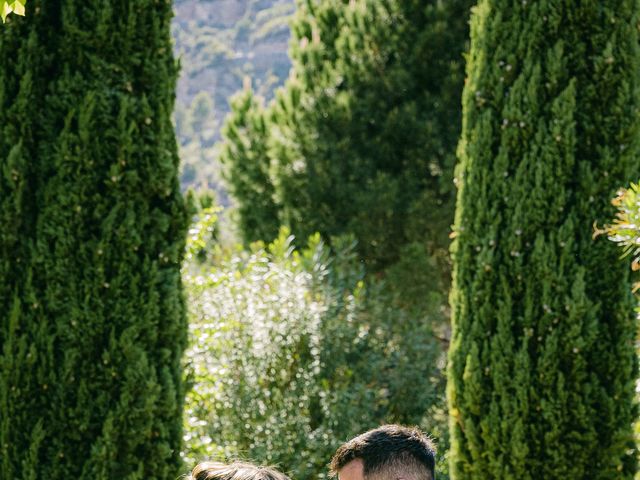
{"type": "Point", "coordinates": [222, 45]}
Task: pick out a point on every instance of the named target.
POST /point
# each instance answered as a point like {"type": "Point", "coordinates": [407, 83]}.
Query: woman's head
{"type": "Point", "coordinates": [235, 471]}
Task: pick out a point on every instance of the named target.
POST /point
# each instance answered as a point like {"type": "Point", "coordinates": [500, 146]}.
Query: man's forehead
{"type": "Point", "coordinates": [354, 470]}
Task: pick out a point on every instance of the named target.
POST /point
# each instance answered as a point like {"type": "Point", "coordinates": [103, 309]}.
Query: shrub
{"type": "Point", "coordinates": [292, 353]}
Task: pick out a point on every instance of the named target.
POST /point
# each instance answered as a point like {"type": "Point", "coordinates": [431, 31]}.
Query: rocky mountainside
{"type": "Point", "coordinates": [222, 44]}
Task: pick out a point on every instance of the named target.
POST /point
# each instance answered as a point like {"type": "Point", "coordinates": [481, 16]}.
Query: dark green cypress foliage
{"type": "Point", "coordinates": [542, 362]}
{"type": "Point", "coordinates": [245, 157]}
{"type": "Point", "coordinates": [92, 322]}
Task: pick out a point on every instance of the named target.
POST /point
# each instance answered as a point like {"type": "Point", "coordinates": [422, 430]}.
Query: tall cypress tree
{"type": "Point", "coordinates": [542, 362]}
{"type": "Point", "coordinates": [92, 322]}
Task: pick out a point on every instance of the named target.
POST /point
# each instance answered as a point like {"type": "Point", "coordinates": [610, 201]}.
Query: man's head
{"type": "Point", "coordinates": [390, 452]}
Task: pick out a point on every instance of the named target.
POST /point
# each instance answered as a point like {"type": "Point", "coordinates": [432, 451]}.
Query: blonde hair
{"type": "Point", "coordinates": [234, 471]}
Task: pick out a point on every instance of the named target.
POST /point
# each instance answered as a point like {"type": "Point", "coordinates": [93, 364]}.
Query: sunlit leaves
{"type": "Point", "coordinates": [201, 233]}
{"type": "Point", "coordinates": [254, 329]}
{"type": "Point", "coordinates": [625, 229]}
{"type": "Point", "coordinates": [15, 6]}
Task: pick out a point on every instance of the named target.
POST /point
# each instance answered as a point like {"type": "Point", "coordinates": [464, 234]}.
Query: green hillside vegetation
{"type": "Point", "coordinates": [221, 46]}
{"type": "Point", "coordinates": [362, 137]}
{"type": "Point", "coordinates": [360, 142]}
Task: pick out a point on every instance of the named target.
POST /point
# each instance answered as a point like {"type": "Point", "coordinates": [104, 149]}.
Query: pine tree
{"type": "Point", "coordinates": [542, 362]}
{"type": "Point", "coordinates": [362, 136]}
{"type": "Point", "coordinates": [201, 118]}
{"type": "Point", "coordinates": [92, 222]}
{"type": "Point", "coordinates": [247, 163]}
{"type": "Point", "coordinates": [377, 122]}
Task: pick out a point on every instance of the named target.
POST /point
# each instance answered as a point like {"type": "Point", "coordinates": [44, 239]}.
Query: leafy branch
{"type": "Point", "coordinates": [12, 6]}
{"type": "Point", "coordinates": [625, 229]}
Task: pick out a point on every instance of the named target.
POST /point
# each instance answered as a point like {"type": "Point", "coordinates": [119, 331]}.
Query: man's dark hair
{"type": "Point", "coordinates": [392, 448]}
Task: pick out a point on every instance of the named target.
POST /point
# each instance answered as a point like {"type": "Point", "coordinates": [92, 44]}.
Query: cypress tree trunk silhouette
{"type": "Point", "coordinates": [92, 323]}
{"type": "Point", "coordinates": [542, 362]}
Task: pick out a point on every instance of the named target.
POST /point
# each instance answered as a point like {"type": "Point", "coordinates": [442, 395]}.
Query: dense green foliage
{"type": "Point", "coordinates": [542, 362]}
{"type": "Point", "coordinates": [364, 132]}
{"type": "Point", "coordinates": [92, 323]}
{"type": "Point", "coordinates": [292, 352]}
{"type": "Point", "coordinates": [360, 141]}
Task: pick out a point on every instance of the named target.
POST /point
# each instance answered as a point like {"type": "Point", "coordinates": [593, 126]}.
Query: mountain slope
{"type": "Point", "coordinates": [221, 45]}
